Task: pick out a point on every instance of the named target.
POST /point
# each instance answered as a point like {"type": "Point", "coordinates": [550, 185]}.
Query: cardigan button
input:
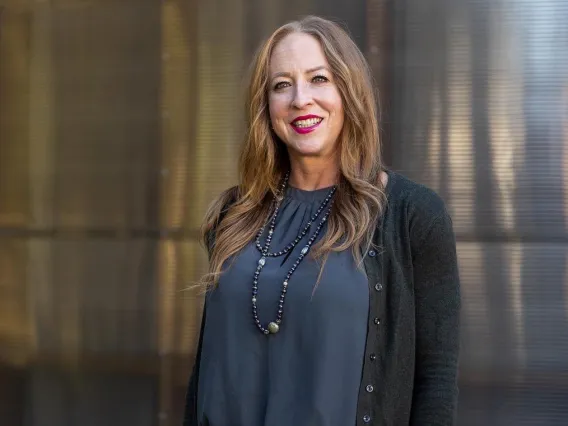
{"type": "Point", "coordinates": [370, 388]}
{"type": "Point", "coordinates": [373, 357]}
{"type": "Point", "coordinates": [377, 321]}
{"type": "Point", "coordinates": [379, 287]}
{"type": "Point", "coordinates": [372, 253]}
{"type": "Point", "coordinates": [366, 418]}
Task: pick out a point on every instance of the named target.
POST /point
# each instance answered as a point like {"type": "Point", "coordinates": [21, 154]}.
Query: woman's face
{"type": "Point", "coordinates": [305, 105]}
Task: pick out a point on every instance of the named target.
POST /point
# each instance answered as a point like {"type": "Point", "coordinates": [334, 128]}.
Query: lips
{"type": "Point", "coordinates": [306, 123]}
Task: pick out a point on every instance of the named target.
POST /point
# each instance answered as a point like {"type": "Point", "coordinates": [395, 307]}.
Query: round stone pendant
{"type": "Point", "coordinates": [273, 328]}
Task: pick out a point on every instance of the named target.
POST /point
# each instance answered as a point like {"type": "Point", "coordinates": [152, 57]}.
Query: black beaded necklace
{"type": "Point", "coordinates": [274, 326]}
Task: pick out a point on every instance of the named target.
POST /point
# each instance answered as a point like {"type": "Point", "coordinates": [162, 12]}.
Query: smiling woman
{"type": "Point", "coordinates": [325, 306]}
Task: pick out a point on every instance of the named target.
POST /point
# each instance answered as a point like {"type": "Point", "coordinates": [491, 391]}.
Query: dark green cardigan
{"type": "Point", "coordinates": [411, 356]}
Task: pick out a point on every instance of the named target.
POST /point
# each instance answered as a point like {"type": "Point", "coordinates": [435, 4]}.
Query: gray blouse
{"type": "Point", "coordinates": [309, 373]}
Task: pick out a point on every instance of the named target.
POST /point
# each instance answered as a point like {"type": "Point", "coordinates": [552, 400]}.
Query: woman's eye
{"type": "Point", "coordinates": [281, 85]}
{"type": "Point", "coordinates": [320, 79]}
{"type": "Point", "coordinates": [317, 79]}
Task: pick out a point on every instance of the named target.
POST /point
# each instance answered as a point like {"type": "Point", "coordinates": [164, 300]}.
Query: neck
{"type": "Point", "coordinates": [313, 173]}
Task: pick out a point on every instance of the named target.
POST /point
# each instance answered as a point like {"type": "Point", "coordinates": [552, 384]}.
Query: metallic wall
{"type": "Point", "coordinates": [480, 113]}
{"type": "Point", "coordinates": [119, 121]}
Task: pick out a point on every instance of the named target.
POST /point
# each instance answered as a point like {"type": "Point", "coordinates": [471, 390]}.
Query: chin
{"type": "Point", "coordinates": [309, 149]}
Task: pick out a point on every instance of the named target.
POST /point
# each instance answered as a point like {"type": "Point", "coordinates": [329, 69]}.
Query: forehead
{"type": "Point", "coordinates": [297, 52]}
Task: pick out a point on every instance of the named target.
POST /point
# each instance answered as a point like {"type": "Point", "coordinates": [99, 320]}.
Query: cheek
{"type": "Point", "coordinates": [337, 112]}
{"type": "Point", "coordinates": [331, 101]}
{"type": "Point", "coordinates": [338, 105]}
{"type": "Point", "coordinates": [278, 114]}
{"type": "Point", "coordinates": [277, 108]}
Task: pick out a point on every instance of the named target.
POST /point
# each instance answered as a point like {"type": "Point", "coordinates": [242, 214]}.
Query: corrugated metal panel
{"type": "Point", "coordinates": [481, 115]}
{"type": "Point", "coordinates": [119, 121]}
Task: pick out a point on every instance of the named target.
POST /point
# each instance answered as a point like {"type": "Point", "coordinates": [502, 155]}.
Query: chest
{"type": "Point", "coordinates": [341, 290]}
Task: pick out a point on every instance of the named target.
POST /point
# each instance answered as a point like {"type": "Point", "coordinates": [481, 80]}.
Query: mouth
{"type": "Point", "coordinates": [306, 124]}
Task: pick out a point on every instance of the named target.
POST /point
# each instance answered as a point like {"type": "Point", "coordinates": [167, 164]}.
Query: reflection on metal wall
{"type": "Point", "coordinates": [481, 114]}
{"type": "Point", "coordinates": [120, 120]}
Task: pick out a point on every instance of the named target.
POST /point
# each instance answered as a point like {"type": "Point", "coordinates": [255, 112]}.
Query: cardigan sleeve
{"type": "Point", "coordinates": [437, 304]}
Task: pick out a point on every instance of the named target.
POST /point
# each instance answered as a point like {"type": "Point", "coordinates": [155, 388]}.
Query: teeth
{"type": "Point", "coordinates": [307, 123]}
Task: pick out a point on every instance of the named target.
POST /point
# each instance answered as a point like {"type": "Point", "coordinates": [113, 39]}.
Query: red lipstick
{"type": "Point", "coordinates": [304, 130]}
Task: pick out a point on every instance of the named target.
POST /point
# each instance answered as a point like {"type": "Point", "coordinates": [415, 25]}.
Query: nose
{"type": "Point", "coordinates": [302, 96]}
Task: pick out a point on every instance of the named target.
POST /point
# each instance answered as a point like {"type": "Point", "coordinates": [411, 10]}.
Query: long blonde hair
{"type": "Point", "coordinates": [235, 217]}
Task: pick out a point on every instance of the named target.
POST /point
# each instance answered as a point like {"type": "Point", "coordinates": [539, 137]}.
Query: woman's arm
{"type": "Point", "coordinates": [190, 411]}
{"type": "Point", "coordinates": [437, 301]}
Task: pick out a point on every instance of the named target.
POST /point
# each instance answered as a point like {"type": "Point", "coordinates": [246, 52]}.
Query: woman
{"type": "Point", "coordinates": [333, 288]}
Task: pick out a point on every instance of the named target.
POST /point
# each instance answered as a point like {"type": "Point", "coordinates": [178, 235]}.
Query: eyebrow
{"type": "Point", "coordinates": [311, 70]}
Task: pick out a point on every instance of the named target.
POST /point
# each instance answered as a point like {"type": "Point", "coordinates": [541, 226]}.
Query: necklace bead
{"type": "Point", "coordinates": [273, 328]}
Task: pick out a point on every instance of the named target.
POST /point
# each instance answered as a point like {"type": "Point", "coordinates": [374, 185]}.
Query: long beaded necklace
{"type": "Point", "coordinates": [274, 326]}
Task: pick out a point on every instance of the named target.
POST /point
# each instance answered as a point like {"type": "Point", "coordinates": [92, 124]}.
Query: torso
{"type": "Point", "coordinates": [310, 371]}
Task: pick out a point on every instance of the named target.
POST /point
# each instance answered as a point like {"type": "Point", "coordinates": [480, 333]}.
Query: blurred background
{"type": "Point", "coordinates": [121, 119]}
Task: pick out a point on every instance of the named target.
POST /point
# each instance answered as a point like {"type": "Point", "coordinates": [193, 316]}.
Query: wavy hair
{"type": "Point", "coordinates": [235, 217]}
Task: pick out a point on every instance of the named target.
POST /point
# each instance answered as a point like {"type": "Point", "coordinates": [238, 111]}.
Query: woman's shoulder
{"type": "Point", "coordinates": [418, 203]}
